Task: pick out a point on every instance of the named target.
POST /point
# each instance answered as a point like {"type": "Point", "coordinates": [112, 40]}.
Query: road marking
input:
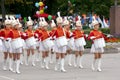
{"type": "Point", "coordinates": [5, 77]}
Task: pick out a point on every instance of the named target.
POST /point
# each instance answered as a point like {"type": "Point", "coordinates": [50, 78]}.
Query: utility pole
{"type": "Point", "coordinates": [3, 9]}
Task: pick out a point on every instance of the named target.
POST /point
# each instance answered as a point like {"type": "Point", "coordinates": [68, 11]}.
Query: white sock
{"type": "Point", "coordinates": [62, 64]}
{"type": "Point", "coordinates": [94, 63]}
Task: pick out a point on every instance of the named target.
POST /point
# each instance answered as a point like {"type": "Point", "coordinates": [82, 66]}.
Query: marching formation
{"type": "Point", "coordinates": [60, 40]}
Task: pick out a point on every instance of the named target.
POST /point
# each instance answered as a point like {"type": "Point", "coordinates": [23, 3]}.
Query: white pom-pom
{"type": "Point", "coordinates": [29, 18]}
{"type": "Point", "coordinates": [58, 13]}
{"type": "Point", "coordinates": [6, 17]}
{"type": "Point", "coordinates": [79, 18]}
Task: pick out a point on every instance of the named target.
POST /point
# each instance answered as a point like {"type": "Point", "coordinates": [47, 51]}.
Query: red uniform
{"type": "Point", "coordinates": [97, 34]}
{"type": "Point", "coordinates": [58, 32]}
{"type": "Point", "coordinates": [78, 34]}
{"type": "Point", "coordinates": [5, 33]}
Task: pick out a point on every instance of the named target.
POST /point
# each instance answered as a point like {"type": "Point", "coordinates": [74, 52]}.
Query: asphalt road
{"type": "Point", "coordinates": [110, 70]}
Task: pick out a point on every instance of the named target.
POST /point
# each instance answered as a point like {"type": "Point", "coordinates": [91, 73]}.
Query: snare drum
{"type": "Point", "coordinates": [99, 43]}
{"type": "Point", "coordinates": [30, 41]}
{"type": "Point", "coordinates": [80, 42]}
{"type": "Point", "coordinates": [17, 43]}
{"type": "Point", "coordinates": [61, 41]}
{"type": "Point", "coordinates": [47, 43]}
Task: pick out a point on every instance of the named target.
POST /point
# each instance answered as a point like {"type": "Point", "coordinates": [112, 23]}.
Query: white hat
{"type": "Point", "coordinates": [44, 23]}
{"type": "Point", "coordinates": [65, 22]}
{"type": "Point", "coordinates": [78, 22]}
{"type": "Point", "coordinates": [29, 22]}
{"type": "Point", "coordinates": [7, 21]}
{"type": "Point", "coordinates": [59, 18]}
{"type": "Point", "coordinates": [94, 22]}
{"type": "Point", "coordinates": [14, 23]}
{"type": "Point", "coordinates": [53, 24]}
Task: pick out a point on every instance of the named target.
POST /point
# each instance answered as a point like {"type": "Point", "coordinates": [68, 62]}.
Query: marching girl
{"type": "Point", "coordinates": [16, 39]}
{"type": "Point", "coordinates": [7, 49]}
{"type": "Point", "coordinates": [66, 25]}
{"type": "Point", "coordinates": [94, 35]}
{"type": "Point", "coordinates": [61, 43]}
{"type": "Point", "coordinates": [78, 34]}
{"type": "Point", "coordinates": [44, 36]}
{"type": "Point", "coordinates": [30, 42]}
{"type": "Point", "coordinates": [53, 26]}
{"type": "Point", "coordinates": [23, 35]}
{"type": "Point", "coordinates": [37, 32]}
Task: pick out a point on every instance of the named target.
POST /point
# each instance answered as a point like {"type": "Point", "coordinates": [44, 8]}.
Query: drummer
{"type": "Point", "coordinates": [96, 34]}
{"type": "Point", "coordinates": [15, 34]}
{"type": "Point", "coordinates": [60, 51]}
{"type": "Point", "coordinates": [66, 25]}
{"type": "Point", "coordinates": [7, 49]}
{"type": "Point", "coordinates": [30, 49]}
{"type": "Point", "coordinates": [78, 33]}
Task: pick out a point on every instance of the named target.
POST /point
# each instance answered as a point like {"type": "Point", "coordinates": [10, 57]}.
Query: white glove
{"type": "Point", "coordinates": [36, 35]}
{"type": "Point", "coordinates": [86, 35]}
{"type": "Point", "coordinates": [109, 35]}
{"type": "Point", "coordinates": [9, 39]}
{"type": "Point", "coordinates": [92, 37]}
{"type": "Point", "coordinates": [24, 34]}
{"type": "Point", "coordinates": [2, 38]}
{"type": "Point", "coordinates": [36, 39]}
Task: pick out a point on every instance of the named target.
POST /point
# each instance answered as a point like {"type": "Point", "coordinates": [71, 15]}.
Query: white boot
{"type": "Point", "coordinates": [43, 63]}
{"type": "Point", "coordinates": [57, 64]}
{"type": "Point", "coordinates": [80, 61]}
{"type": "Point", "coordinates": [33, 60]}
{"type": "Point", "coordinates": [75, 61]}
{"type": "Point", "coordinates": [37, 57]}
{"type": "Point", "coordinates": [27, 61]}
{"type": "Point", "coordinates": [21, 59]}
{"type": "Point", "coordinates": [51, 58]}
{"type": "Point", "coordinates": [46, 62]}
{"type": "Point", "coordinates": [62, 65]}
{"type": "Point", "coordinates": [93, 64]}
{"type": "Point", "coordinates": [14, 66]}
{"type": "Point", "coordinates": [5, 64]}
{"type": "Point", "coordinates": [10, 64]}
{"type": "Point", "coordinates": [99, 65]}
{"type": "Point", "coordinates": [18, 66]}
{"type": "Point", "coordinates": [69, 59]}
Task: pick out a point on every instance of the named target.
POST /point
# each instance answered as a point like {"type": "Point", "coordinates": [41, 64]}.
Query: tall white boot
{"type": "Point", "coordinates": [14, 66]}
{"type": "Point", "coordinates": [69, 59]}
{"type": "Point", "coordinates": [62, 65]}
{"type": "Point", "coordinates": [37, 56]}
{"type": "Point", "coordinates": [33, 60]}
{"type": "Point", "coordinates": [75, 61]}
{"type": "Point", "coordinates": [27, 60]}
{"type": "Point", "coordinates": [51, 57]}
{"type": "Point", "coordinates": [5, 64]}
{"type": "Point", "coordinates": [80, 61]}
{"type": "Point", "coordinates": [18, 66]}
{"type": "Point", "coordinates": [10, 64]}
{"type": "Point", "coordinates": [43, 63]}
{"type": "Point", "coordinates": [93, 64]}
{"type": "Point", "coordinates": [47, 62]}
{"type": "Point", "coordinates": [21, 58]}
{"type": "Point", "coordinates": [57, 64]}
{"type": "Point", "coordinates": [99, 65]}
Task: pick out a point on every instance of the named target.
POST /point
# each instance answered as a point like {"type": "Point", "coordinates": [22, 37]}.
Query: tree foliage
{"type": "Point", "coordinates": [27, 7]}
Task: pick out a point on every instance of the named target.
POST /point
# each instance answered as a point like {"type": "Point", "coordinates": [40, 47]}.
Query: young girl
{"type": "Point", "coordinates": [79, 36]}
{"type": "Point", "coordinates": [94, 35]}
